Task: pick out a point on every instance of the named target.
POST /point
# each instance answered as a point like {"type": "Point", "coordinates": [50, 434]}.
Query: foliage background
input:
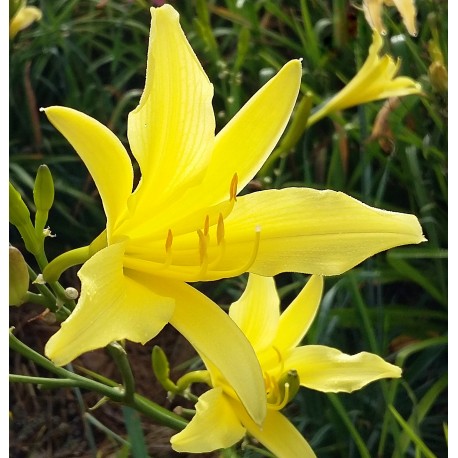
{"type": "Point", "coordinates": [90, 55]}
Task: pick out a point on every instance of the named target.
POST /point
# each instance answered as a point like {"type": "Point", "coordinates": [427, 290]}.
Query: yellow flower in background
{"type": "Point", "coordinates": [22, 16]}
{"type": "Point", "coordinates": [285, 364]}
{"type": "Point", "coordinates": [184, 221]}
{"type": "Point", "coordinates": [375, 80]}
{"type": "Point", "coordinates": [373, 10]}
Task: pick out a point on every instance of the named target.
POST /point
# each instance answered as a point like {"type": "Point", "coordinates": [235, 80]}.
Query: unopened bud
{"type": "Point", "coordinates": [19, 277]}
{"type": "Point", "coordinates": [161, 369]}
{"type": "Point", "coordinates": [438, 76]}
{"type": "Point", "coordinates": [19, 213]}
{"type": "Point", "coordinates": [20, 217]}
{"type": "Point", "coordinates": [43, 196]}
{"type": "Point", "coordinates": [71, 293]}
{"type": "Point", "coordinates": [43, 191]}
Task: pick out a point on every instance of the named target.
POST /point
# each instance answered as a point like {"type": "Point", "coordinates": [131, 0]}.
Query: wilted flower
{"type": "Point", "coordinates": [373, 10]}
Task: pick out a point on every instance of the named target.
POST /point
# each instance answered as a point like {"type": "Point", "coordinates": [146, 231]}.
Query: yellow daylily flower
{"type": "Point", "coordinates": [286, 366]}
{"type": "Point", "coordinates": [375, 80]}
{"type": "Point", "coordinates": [184, 221]}
{"type": "Point", "coordinates": [373, 13]}
{"type": "Point", "coordinates": [23, 17]}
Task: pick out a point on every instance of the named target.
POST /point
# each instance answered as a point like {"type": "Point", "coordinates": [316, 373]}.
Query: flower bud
{"type": "Point", "coordinates": [161, 369]}
{"type": "Point", "coordinates": [438, 76]}
{"type": "Point", "coordinates": [19, 213]}
{"type": "Point", "coordinates": [43, 196]}
{"type": "Point", "coordinates": [19, 216]}
{"type": "Point", "coordinates": [19, 277]}
{"type": "Point", "coordinates": [43, 191]}
{"type": "Point", "coordinates": [71, 293]}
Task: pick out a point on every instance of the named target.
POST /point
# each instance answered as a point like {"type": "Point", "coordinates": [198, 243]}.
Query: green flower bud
{"type": "Point", "coordinates": [43, 191]}
{"type": "Point", "coordinates": [19, 213]}
{"type": "Point", "coordinates": [161, 369]}
{"type": "Point", "coordinates": [438, 76]}
{"type": "Point", "coordinates": [19, 277]}
{"type": "Point", "coordinates": [20, 217]}
{"type": "Point", "coordinates": [43, 196]}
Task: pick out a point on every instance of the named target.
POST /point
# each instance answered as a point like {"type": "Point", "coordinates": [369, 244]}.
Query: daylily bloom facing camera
{"type": "Point", "coordinates": [184, 221]}
{"type": "Point", "coordinates": [285, 365]}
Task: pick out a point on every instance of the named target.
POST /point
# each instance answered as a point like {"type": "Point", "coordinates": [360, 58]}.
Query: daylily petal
{"type": "Point", "coordinates": [214, 426]}
{"type": "Point", "coordinates": [299, 315]}
{"type": "Point", "coordinates": [244, 144]}
{"type": "Point", "coordinates": [172, 130]}
{"type": "Point", "coordinates": [373, 14]}
{"type": "Point", "coordinates": [329, 370]}
{"type": "Point", "coordinates": [288, 230]}
{"type": "Point", "coordinates": [374, 81]}
{"type": "Point", "coordinates": [99, 148]}
{"type": "Point", "coordinates": [218, 340]}
{"type": "Point", "coordinates": [112, 307]}
{"type": "Point", "coordinates": [277, 434]}
{"type": "Point", "coordinates": [240, 149]}
{"type": "Point", "coordinates": [23, 18]}
{"type": "Point", "coordinates": [257, 311]}
{"type": "Point", "coordinates": [308, 231]}
{"type": "Point", "coordinates": [408, 13]}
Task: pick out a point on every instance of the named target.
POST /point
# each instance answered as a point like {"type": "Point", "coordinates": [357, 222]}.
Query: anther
{"type": "Point", "coordinates": [168, 248]}
{"type": "Point", "coordinates": [206, 225]}
{"type": "Point", "coordinates": [169, 240]}
{"type": "Point", "coordinates": [233, 188]}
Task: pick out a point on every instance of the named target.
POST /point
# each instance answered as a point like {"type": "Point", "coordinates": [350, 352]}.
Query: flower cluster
{"type": "Point", "coordinates": [186, 222]}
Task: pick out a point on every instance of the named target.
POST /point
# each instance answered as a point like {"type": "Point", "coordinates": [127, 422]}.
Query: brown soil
{"type": "Point", "coordinates": [51, 423]}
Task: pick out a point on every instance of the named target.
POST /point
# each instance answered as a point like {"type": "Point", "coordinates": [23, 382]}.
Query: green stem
{"type": "Point", "coordinates": [50, 300]}
{"type": "Point", "coordinates": [45, 292]}
{"type": "Point", "coordinates": [110, 390]}
{"type": "Point", "coordinates": [119, 356]}
{"type": "Point", "coordinates": [42, 382]}
{"type": "Point", "coordinates": [36, 299]}
{"type": "Point", "coordinates": [54, 269]}
{"type": "Point", "coordinates": [193, 377]}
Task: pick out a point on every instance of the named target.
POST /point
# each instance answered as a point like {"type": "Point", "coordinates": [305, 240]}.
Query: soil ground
{"type": "Point", "coordinates": [51, 424]}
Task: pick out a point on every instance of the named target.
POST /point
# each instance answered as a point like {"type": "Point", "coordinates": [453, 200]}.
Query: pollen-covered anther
{"type": "Point", "coordinates": [233, 188]}
{"type": "Point", "coordinates": [168, 248]}
{"type": "Point", "coordinates": [206, 225]}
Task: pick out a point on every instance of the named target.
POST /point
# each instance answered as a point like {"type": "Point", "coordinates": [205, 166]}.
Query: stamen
{"type": "Point", "coordinates": [220, 229]}
{"type": "Point", "coordinates": [249, 263]}
{"type": "Point", "coordinates": [254, 253]}
{"type": "Point", "coordinates": [168, 242]}
{"type": "Point", "coordinates": [285, 399]}
{"type": "Point", "coordinates": [206, 225]}
{"type": "Point", "coordinates": [168, 249]}
{"type": "Point", "coordinates": [233, 188]}
{"type": "Point", "coordinates": [203, 245]}
{"type": "Point", "coordinates": [280, 359]}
